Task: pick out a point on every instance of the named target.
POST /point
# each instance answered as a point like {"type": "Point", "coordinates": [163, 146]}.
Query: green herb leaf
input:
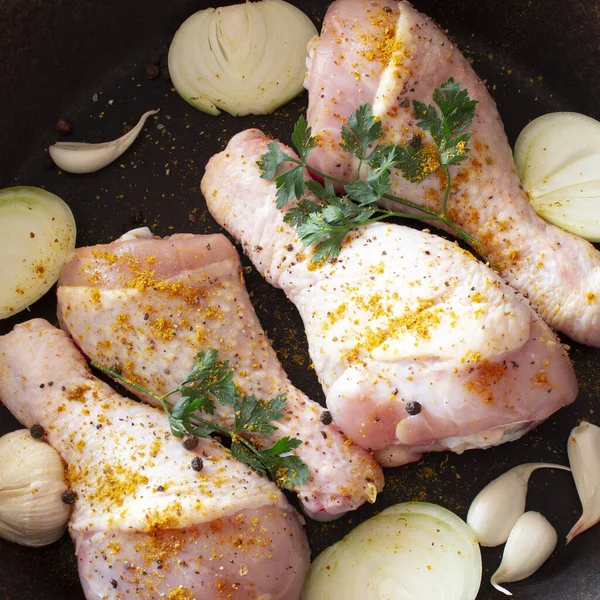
{"type": "Point", "coordinates": [429, 121]}
{"type": "Point", "coordinates": [287, 471]}
{"type": "Point", "coordinates": [298, 214]}
{"type": "Point", "coordinates": [329, 248]}
{"type": "Point", "coordinates": [282, 446]}
{"type": "Point", "coordinates": [209, 377]}
{"type": "Point", "coordinates": [290, 185]}
{"type": "Point", "coordinates": [325, 224]}
{"type": "Point", "coordinates": [417, 164]}
{"type": "Point", "coordinates": [270, 160]}
{"type": "Point", "coordinates": [254, 416]}
{"type": "Point", "coordinates": [241, 452]}
{"type": "Point", "coordinates": [456, 150]}
{"type": "Point", "coordinates": [302, 138]}
{"type": "Point", "coordinates": [457, 109]}
{"type": "Point", "coordinates": [326, 192]}
{"type": "Point", "coordinates": [361, 132]}
{"type": "Point", "coordinates": [209, 380]}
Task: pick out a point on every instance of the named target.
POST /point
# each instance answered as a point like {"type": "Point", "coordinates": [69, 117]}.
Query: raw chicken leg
{"type": "Point", "coordinates": [387, 54]}
{"type": "Point", "coordinates": [151, 304]}
{"type": "Point", "coordinates": [418, 345]}
{"type": "Point", "coordinates": [145, 523]}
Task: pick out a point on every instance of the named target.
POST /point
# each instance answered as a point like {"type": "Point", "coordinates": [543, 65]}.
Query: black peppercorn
{"type": "Point", "coordinates": [114, 583]}
{"type": "Point", "coordinates": [68, 497]}
{"type": "Point", "coordinates": [190, 442]}
{"type": "Point", "coordinates": [413, 408]}
{"type": "Point", "coordinates": [160, 488]}
{"type": "Point", "coordinates": [197, 464]}
{"type": "Point", "coordinates": [152, 70]}
{"type": "Point", "coordinates": [326, 417]}
{"type": "Point", "coordinates": [387, 9]}
{"type": "Point", "coordinates": [37, 432]}
{"type": "Point", "coordinates": [63, 127]}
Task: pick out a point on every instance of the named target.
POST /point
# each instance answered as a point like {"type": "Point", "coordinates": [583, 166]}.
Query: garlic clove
{"type": "Point", "coordinates": [32, 481]}
{"type": "Point", "coordinates": [498, 506]}
{"type": "Point", "coordinates": [80, 157]}
{"type": "Point", "coordinates": [583, 450]}
{"type": "Point", "coordinates": [531, 542]}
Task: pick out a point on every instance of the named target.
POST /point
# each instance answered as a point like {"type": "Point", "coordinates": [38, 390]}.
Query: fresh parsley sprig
{"type": "Point", "coordinates": [211, 381]}
{"type": "Point", "coordinates": [327, 222]}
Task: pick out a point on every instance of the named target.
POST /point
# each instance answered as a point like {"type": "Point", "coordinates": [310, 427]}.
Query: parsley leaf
{"type": "Point", "coordinates": [211, 381]}
{"type": "Point", "coordinates": [361, 132]}
{"type": "Point", "coordinates": [254, 416]}
{"type": "Point", "coordinates": [270, 160]}
{"type": "Point", "coordinates": [290, 185]}
{"type": "Point", "coordinates": [302, 138]}
{"type": "Point", "coordinates": [417, 163]}
{"type": "Point", "coordinates": [209, 377]}
{"type": "Point", "coordinates": [457, 109]}
{"type": "Point", "coordinates": [325, 224]}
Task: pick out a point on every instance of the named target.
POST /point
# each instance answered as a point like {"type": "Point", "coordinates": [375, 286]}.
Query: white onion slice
{"type": "Point", "coordinates": [558, 160]}
{"type": "Point", "coordinates": [80, 157]}
{"type": "Point", "coordinates": [409, 551]}
{"type": "Point", "coordinates": [37, 233]}
{"type": "Point", "coordinates": [244, 59]}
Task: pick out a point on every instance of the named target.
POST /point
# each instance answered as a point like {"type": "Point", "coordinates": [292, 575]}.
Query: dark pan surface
{"type": "Point", "coordinates": [58, 57]}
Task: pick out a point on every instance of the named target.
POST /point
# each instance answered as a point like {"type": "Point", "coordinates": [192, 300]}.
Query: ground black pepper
{"type": "Point", "coordinates": [114, 583]}
{"type": "Point", "coordinates": [37, 432]}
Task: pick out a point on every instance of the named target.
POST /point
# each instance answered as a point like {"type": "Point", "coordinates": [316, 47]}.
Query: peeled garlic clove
{"type": "Point", "coordinates": [531, 542]}
{"type": "Point", "coordinates": [583, 450]}
{"type": "Point", "coordinates": [32, 481]}
{"type": "Point", "coordinates": [79, 157]}
{"type": "Point", "coordinates": [499, 504]}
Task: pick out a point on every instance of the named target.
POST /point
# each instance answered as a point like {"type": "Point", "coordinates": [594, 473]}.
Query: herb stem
{"type": "Point", "coordinates": [447, 192]}
{"type": "Point", "coordinates": [128, 382]}
{"type": "Point", "coordinates": [429, 214]}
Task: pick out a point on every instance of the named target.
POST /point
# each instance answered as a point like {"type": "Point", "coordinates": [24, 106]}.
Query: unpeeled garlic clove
{"type": "Point", "coordinates": [79, 157]}
{"type": "Point", "coordinates": [498, 506]}
{"type": "Point", "coordinates": [583, 450]}
{"type": "Point", "coordinates": [32, 481]}
{"type": "Point", "coordinates": [531, 542]}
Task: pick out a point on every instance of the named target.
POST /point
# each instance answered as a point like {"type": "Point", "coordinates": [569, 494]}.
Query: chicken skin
{"type": "Point", "coordinates": [150, 305]}
{"type": "Point", "coordinates": [388, 55]}
{"type": "Point", "coordinates": [147, 523]}
{"type": "Point", "coordinates": [418, 345]}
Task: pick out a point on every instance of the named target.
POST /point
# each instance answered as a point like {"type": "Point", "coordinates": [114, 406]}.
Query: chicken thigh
{"type": "Point", "coordinates": [418, 345]}
{"type": "Point", "coordinates": [150, 304]}
{"type": "Point", "coordinates": [387, 54]}
{"type": "Point", "coordinates": [145, 523]}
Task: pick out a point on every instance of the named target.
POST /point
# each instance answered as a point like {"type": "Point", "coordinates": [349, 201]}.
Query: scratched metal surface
{"type": "Point", "coordinates": [537, 56]}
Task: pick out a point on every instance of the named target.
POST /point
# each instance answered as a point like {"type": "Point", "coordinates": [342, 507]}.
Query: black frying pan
{"type": "Point", "coordinates": [57, 57]}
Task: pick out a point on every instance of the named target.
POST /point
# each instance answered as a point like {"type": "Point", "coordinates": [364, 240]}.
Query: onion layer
{"type": "Point", "coordinates": [408, 551]}
{"type": "Point", "coordinates": [558, 159]}
{"type": "Point", "coordinates": [37, 232]}
{"type": "Point", "coordinates": [244, 59]}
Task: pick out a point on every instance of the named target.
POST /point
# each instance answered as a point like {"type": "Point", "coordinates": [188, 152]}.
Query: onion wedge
{"type": "Point", "coordinates": [244, 59]}
{"type": "Point", "coordinates": [37, 233]}
{"type": "Point", "coordinates": [558, 160]}
{"type": "Point", "coordinates": [408, 551]}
